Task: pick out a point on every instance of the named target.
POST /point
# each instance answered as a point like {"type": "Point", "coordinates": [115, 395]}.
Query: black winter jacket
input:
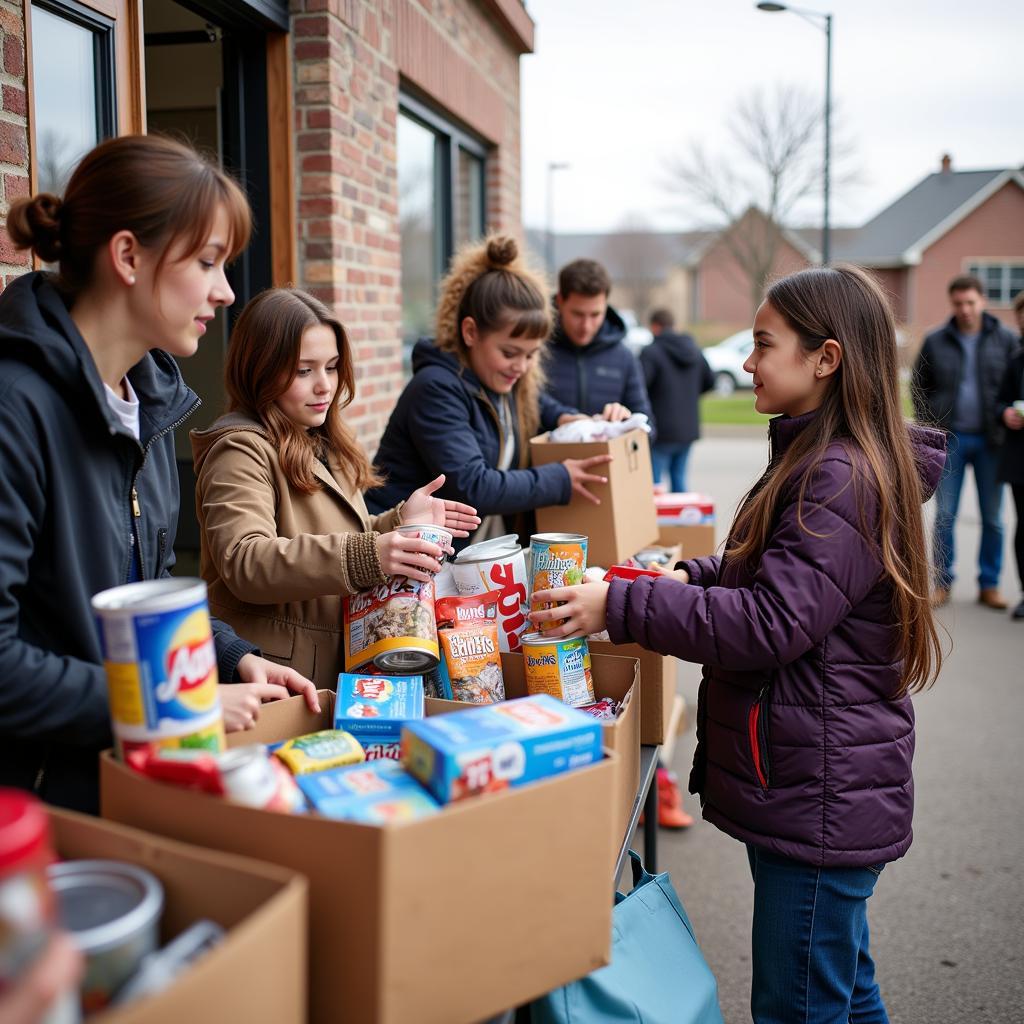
{"type": "Point", "coordinates": [67, 468]}
{"type": "Point", "coordinates": [590, 377]}
{"type": "Point", "coordinates": [446, 421]}
{"type": "Point", "coordinates": [937, 371]}
{"type": "Point", "coordinates": [676, 375]}
{"type": "Point", "coordinates": [1011, 464]}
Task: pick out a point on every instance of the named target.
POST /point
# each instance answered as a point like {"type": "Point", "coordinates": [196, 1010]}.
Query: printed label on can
{"type": "Point", "coordinates": [396, 617]}
{"type": "Point", "coordinates": [505, 574]}
{"type": "Point", "coordinates": [558, 560]}
{"type": "Point", "coordinates": [560, 668]}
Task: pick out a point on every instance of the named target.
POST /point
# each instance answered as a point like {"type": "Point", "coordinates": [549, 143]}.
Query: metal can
{"type": "Point", "coordinates": [250, 776]}
{"type": "Point", "coordinates": [28, 917]}
{"type": "Point", "coordinates": [556, 560]}
{"type": "Point", "coordinates": [432, 534]}
{"type": "Point", "coordinates": [393, 627]}
{"type": "Point", "coordinates": [560, 668]}
{"type": "Point", "coordinates": [161, 664]}
{"type": "Point", "coordinates": [112, 911]}
{"type": "Point", "coordinates": [487, 567]}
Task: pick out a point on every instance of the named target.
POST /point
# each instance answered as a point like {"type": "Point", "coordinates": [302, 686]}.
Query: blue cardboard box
{"type": "Point", "coordinates": [374, 708]}
{"type": "Point", "coordinates": [376, 793]}
{"type": "Point", "coordinates": [495, 746]}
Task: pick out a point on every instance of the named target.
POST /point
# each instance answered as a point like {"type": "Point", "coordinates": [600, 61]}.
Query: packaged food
{"type": "Point", "coordinates": [684, 508]}
{"type": "Point", "coordinates": [497, 746]}
{"type": "Point", "coordinates": [436, 682]}
{"type": "Point", "coordinates": [627, 572]}
{"type": "Point", "coordinates": [556, 560]}
{"type": "Point", "coordinates": [329, 748]}
{"type": "Point", "coordinates": [112, 912]}
{"type": "Point", "coordinates": [429, 532]}
{"type": "Point", "coordinates": [560, 668]}
{"type": "Point", "coordinates": [392, 626]}
{"type": "Point", "coordinates": [375, 793]}
{"type": "Point", "coordinates": [473, 659]}
{"type": "Point", "coordinates": [373, 708]}
{"type": "Point", "coordinates": [465, 610]}
{"type": "Point", "coordinates": [498, 566]}
{"type": "Point", "coordinates": [606, 709]}
{"type": "Point", "coordinates": [161, 664]}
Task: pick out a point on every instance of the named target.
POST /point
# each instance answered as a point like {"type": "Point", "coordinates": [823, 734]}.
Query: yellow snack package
{"type": "Point", "coordinates": [330, 748]}
{"type": "Point", "coordinates": [473, 659]}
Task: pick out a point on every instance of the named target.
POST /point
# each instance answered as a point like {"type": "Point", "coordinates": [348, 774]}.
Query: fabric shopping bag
{"type": "Point", "coordinates": [658, 974]}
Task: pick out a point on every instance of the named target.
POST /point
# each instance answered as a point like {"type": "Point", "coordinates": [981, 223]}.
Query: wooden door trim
{"type": "Point", "coordinates": [281, 153]}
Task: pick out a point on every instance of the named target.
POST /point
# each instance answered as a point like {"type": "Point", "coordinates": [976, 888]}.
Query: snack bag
{"type": "Point", "coordinates": [329, 748]}
{"type": "Point", "coordinates": [473, 660]}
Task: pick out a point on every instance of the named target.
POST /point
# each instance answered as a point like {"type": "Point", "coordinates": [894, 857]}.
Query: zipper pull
{"type": "Point", "coordinates": [136, 510]}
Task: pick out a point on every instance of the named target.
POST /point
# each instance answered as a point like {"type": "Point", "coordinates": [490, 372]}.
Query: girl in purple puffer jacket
{"type": "Point", "coordinates": [814, 628]}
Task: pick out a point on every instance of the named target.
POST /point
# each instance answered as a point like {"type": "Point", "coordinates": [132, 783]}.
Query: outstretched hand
{"type": "Point", "coordinates": [422, 507]}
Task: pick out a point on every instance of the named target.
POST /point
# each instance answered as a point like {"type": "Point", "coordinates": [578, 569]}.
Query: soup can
{"type": "Point", "coordinates": [392, 626]}
{"type": "Point", "coordinates": [161, 665]}
{"type": "Point", "coordinates": [556, 560]}
{"type": "Point", "coordinates": [433, 534]}
{"type": "Point", "coordinates": [560, 668]}
{"type": "Point", "coordinates": [112, 911]}
{"type": "Point", "coordinates": [486, 568]}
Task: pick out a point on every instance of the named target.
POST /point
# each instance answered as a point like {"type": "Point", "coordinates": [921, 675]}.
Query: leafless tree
{"type": "Point", "coordinates": [773, 163]}
{"type": "Point", "coordinates": [640, 256]}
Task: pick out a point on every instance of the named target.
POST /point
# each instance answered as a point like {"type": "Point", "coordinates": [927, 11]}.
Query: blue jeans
{"type": "Point", "coordinates": [964, 450]}
{"type": "Point", "coordinates": [670, 459]}
{"type": "Point", "coordinates": [810, 943]}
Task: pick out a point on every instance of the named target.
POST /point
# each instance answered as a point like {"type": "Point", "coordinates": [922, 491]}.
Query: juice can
{"type": "Point", "coordinates": [490, 567]}
{"type": "Point", "coordinates": [161, 665]}
{"type": "Point", "coordinates": [556, 560]}
{"type": "Point", "coordinates": [560, 668]}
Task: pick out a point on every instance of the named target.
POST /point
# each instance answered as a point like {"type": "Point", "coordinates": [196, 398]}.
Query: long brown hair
{"type": "Point", "coordinates": [491, 282]}
{"type": "Point", "coordinates": [161, 190]}
{"type": "Point", "coordinates": [262, 360]}
{"type": "Point", "coordinates": [862, 408]}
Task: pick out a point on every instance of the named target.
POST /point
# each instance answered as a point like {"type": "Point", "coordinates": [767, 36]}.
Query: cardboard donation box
{"type": "Point", "coordinates": [257, 974]}
{"type": "Point", "coordinates": [695, 541]}
{"type": "Point", "coordinates": [657, 686]}
{"type": "Point", "coordinates": [625, 521]}
{"type": "Point", "coordinates": [448, 919]}
{"type": "Point", "coordinates": [617, 678]}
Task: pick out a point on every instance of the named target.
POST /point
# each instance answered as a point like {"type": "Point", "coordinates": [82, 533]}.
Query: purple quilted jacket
{"type": "Point", "coordinates": [800, 747]}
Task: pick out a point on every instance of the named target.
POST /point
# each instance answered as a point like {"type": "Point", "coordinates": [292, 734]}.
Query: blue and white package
{"type": "Point", "coordinates": [374, 793]}
{"type": "Point", "coordinates": [374, 708]}
{"type": "Point", "coordinates": [495, 746]}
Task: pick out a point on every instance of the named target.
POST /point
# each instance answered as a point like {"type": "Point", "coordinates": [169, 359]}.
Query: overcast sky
{"type": "Point", "coordinates": [616, 86]}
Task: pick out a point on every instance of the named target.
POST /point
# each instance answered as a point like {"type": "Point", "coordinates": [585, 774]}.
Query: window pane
{"type": "Point", "coordinates": [1016, 281]}
{"type": "Point", "coordinates": [64, 83]}
{"type": "Point", "coordinates": [992, 278]}
{"type": "Point", "coordinates": [469, 215]}
{"type": "Point", "coordinates": [417, 169]}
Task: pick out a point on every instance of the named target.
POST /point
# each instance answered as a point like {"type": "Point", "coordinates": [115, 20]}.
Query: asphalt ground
{"type": "Point", "coordinates": [946, 920]}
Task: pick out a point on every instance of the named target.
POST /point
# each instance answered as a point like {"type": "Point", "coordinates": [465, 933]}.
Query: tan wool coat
{"type": "Point", "coordinates": [278, 562]}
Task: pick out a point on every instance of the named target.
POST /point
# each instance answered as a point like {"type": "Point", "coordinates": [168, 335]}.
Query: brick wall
{"type": "Point", "coordinates": [13, 130]}
{"type": "Point", "coordinates": [350, 57]}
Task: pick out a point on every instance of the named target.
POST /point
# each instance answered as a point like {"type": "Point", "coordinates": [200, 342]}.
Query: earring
{"type": "Point", "coordinates": [819, 372]}
{"type": "Point", "coordinates": [131, 280]}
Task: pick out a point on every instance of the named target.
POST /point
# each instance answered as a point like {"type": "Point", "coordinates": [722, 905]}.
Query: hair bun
{"type": "Point", "coordinates": [35, 223]}
{"type": "Point", "coordinates": [502, 251]}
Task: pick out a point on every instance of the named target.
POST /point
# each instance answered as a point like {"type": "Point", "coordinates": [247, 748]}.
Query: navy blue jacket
{"type": "Point", "coordinates": [67, 467]}
{"type": "Point", "coordinates": [446, 421]}
{"type": "Point", "coordinates": [591, 376]}
{"type": "Point", "coordinates": [676, 375]}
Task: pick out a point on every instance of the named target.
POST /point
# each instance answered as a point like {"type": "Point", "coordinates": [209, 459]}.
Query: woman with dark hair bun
{"type": "Point", "coordinates": [89, 398]}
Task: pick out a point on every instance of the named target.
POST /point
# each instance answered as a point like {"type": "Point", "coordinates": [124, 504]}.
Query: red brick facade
{"type": "Point", "coordinates": [13, 128]}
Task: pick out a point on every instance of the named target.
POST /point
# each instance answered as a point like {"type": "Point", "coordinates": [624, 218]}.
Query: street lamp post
{"type": "Point", "coordinates": [549, 230]}
{"type": "Point", "coordinates": [808, 15]}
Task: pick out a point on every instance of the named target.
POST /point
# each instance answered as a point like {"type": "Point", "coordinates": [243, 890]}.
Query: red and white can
{"type": "Point", "coordinates": [497, 565]}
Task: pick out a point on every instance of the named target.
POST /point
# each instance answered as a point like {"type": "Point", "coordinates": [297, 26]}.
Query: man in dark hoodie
{"type": "Point", "coordinates": [676, 375]}
{"type": "Point", "coordinates": [588, 366]}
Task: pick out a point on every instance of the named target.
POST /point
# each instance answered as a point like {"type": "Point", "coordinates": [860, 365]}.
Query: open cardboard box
{"type": "Point", "coordinates": [626, 520]}
{"type": "Point", "coordinates": [695, 541]}
{"type": "Point", "coordinates": [657, 685]}
{"type": "Point", "coordinates": [257, 974]}
{"type": "Point", "coordinates": [618, 678]}
{"type": "Point", "coordinates": [446, 920]}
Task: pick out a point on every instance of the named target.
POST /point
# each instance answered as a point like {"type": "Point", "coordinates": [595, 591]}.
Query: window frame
{"type": "Point", "coordinates": [980, 267]}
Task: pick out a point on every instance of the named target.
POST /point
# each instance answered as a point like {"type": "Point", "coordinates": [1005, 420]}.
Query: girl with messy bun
{"type": "Point", "coordinates": [89, 398]}
{"type": "Point", "coordinates": [476, 396]}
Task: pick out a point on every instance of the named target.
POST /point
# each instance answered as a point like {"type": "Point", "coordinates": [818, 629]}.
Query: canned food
{"type": "Point", "coordinates": [560, 668]}
{"type": "Point", "coordinates": [250, 776]}
{"type": "Point", "coordinates": [557, 560]}
{"type": "Point", "coordinates": [112, 911]}
{"type": "Point", "coordinates": [393, 627]}
{"type": "Point", "coordinates": [491, 567]}
{"type": "Point", "coordinates": [432, 534]}
{"type": "Point", "coordinates": [161, 664]}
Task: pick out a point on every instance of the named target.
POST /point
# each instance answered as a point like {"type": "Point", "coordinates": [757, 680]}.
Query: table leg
{"type": "Point", "coordinates": [651, 826]}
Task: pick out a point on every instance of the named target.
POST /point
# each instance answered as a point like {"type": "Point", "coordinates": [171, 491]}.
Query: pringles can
{"type": "Point", "coordinates": [556, 560]}
{"type": "Point", "coordinates": [161, 665]}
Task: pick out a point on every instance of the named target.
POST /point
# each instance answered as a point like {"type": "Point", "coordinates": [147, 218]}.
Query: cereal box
{"type": "Point", "coordinates": [374, 708]}
{"type": "Point", "coordinates": [376, 793]}
{"type": "Point", "coordinates": [497, 746]}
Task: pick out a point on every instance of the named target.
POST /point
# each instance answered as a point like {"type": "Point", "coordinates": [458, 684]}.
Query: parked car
{"type": "Point", "coordinates": [726, 360]}
{"type": "Point", "coordinates": [637, 337]}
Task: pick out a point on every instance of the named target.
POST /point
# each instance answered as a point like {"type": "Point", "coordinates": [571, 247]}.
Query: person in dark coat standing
{"type": "Point", "coordinates": [955, 381]}
{"type": "Point", "coordinates": [588, 365]}
{"type": "Point", "coordinates": [1010, 414]}
{"type": "Point", "coordinates": [676, 375]}
{"type": "Point", "coordinates": [814, 628]}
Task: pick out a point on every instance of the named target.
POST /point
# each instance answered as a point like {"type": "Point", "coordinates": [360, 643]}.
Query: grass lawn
{"type": "Point", "coordinates": [736, 409]}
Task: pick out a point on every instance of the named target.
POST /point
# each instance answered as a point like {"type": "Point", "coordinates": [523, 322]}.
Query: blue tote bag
{"type": "Point", "coordinates": [658, 974]}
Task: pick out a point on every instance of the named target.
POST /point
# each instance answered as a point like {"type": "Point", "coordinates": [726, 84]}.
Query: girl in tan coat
{"type": "Point", "coordinates": [285, 533]}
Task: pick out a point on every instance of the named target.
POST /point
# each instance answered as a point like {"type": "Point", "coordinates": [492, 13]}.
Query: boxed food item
{"type": "Point", "coordinates": [377, 793]}
{"type": "Point", "coordinates": [497, 746]}
{"type": "Point", "coordinates": [256, 973]}
{"type": "Point", "coordinates": [475, 877]}
{"type": "Point", "coordinates": [625, 521]}
{"type": "Point", "coordinates": [685, 508]}
{"type": "Point", "coordinates": [373, 708]}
